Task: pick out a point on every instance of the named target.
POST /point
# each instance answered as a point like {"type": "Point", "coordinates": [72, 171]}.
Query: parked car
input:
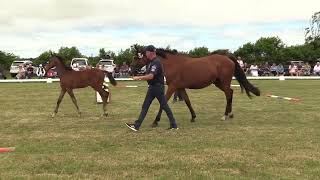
{"type": "Point", "coordinates": [107, 65]}
{"type": "Point", "coordinates": [79, 64]}
{"type": "Point", "coordinates": [14, 68]}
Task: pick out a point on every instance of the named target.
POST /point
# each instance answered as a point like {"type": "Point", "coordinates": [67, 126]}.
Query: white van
{"type": "Point", "coordinates": [14, 68]}
{"type": "Point", "coordinates": [108, 65]}
{"type": "Point", "coordinates": [79, 64]}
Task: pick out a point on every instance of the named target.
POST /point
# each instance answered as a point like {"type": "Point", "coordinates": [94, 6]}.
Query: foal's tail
{"type": "Point", "coordinates": [242, 79]}
{"type": "Point", "coordinates": [111, 78]}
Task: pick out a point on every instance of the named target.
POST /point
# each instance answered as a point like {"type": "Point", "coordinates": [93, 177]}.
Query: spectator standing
{"type": "Point", "coordinates": [316, 69]}
{"type": "Point", "coordinates": [241, 63]}
{"type": "Point", "coordinates": [254, 70]}
{"type": "Point", "coordinates": [40, 72]}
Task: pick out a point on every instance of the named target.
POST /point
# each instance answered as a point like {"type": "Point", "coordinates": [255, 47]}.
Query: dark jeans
{"type": "Point", "coordinates": [155, 91]}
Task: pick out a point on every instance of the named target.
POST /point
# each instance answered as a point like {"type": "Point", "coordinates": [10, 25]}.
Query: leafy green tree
{"type": "Point", "coordinates": [6, 59]}
{"type": "Point", "coordinates": [43, 57]}
{"type": "Point", "coordinates": [124, 56]}
{"type": "Point", "coordinates": [246, 52]}
{"type": "Point", "coordinates": [69, 53]}
{"type": "Point", "coordinates": [93, 61]}
{"type": "Point", "coordinates": [199, 52]}
{"type": "Point", "coordinates": [104, 54]}
{"type": "Point", "coordinates": [267, 49]}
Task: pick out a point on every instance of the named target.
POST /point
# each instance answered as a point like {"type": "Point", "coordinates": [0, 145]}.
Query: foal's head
{"type": "Point", "coordinates": [54, 61]}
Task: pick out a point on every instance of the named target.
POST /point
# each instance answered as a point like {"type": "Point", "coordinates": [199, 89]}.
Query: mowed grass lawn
{"type": "Point", "coordinates": [267, 139]}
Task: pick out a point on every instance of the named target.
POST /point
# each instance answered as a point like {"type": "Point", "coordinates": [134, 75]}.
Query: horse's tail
{"type": "Point", "coordinates": [242, 79]}
{"type": "Point", "coordinates": [111, 78]}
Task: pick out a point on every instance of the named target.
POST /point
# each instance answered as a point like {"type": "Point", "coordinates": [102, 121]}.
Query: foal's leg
{"type": "Point", "coordinates": [104, 95]}
{"type": "Point", "coordinates": [62, 92]}
{"type": "Point", "coordinates": [169, 93]}
{"type": "Point", "coordinates": [229, 96]}
{"type": "Point", "coordinates": [187, 101]}
{"type": "Point", "coordinates": [74, 100]}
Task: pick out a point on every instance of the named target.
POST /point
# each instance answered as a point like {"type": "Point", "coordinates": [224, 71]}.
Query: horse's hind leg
{"type": "Point", "coordinates": [229, 96]}
{"type": "Point", "coordinates": [63, 91]}
{"type": "Point", "coordinates": [187, 101]}
{"type": "Point", "coordinates": [74, 100]}
{"type": "Point", "coordinates": [104, 96]}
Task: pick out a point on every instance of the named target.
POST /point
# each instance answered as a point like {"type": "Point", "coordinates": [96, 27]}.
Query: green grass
{"type": "Point", "coordinates": [267, 139]}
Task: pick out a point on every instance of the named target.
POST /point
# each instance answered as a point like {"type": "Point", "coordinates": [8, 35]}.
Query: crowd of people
{"type": "Point", "coordinates": [267, 69]}
{"type": "Point", "coordinates": [28, 71]}
{"type": "Point", "coordinates": [122, 71]}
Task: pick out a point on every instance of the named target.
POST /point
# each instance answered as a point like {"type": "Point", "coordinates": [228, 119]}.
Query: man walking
{"type": "Point", "coordinates": [155, 78]}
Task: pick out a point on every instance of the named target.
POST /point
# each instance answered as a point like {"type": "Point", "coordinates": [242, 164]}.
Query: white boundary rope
{"type": "Point", "coordinates": [50, 80]}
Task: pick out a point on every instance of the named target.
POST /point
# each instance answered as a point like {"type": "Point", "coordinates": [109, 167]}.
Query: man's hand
{"type": "Point", "coordinates": [136, 78]}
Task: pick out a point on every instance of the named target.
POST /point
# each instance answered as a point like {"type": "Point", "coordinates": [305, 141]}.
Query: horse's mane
{"type": "Point", "coordinates": [62, 62]}
{"type": "Point", "coordinates": [162, 52]}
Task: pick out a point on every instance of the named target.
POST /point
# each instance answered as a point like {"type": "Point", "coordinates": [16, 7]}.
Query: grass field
{"type": "Point", "coordinates": [267, 139]}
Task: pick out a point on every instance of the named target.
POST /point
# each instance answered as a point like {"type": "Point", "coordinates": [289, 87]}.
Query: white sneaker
{"type": "Point", "coordinates": [131, 126]}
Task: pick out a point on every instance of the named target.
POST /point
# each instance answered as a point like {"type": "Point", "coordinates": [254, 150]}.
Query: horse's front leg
{"type": "Point", "coordinates": [187, 101]}
{"type": "Point", "coordinates": [169, 93]}
{"type": "Point", "coordinates": [63, 91]}
{"type": "Point", "coordinates": [74, 100]}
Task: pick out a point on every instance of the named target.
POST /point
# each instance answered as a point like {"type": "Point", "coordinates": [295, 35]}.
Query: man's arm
{"type": "Point", "coordinates": [145, 78]}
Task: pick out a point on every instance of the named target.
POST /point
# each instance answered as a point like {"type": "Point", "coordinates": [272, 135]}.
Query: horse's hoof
{"type": "Point", "coordinates": [230, 115]}
{"type": "Point", "coordinates": [154, 124]}
{"type": "Point", "coordinates": [53, 115]}
{"type": "Point", "coordinates": [192, 120]}
{"type": "Point", "coordinates": [79, 115]}
{"type": "Point", "coordinates": [224, 118]}
{"type": "Point", "coordinates": [104, 115]}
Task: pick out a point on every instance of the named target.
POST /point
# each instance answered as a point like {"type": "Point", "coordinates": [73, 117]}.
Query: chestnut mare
{"type": "Point", "coordinates": [70, 79]}
{"type": "Point", "coordinates": [183, 72]}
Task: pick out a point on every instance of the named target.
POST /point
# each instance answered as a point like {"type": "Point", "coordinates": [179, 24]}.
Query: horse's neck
{"type": "Point", "coordinates": [61, 69]}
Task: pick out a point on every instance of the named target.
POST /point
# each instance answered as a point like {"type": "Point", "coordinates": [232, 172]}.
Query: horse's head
{"type": "Point", "coordinates": [139, 59]}
{"type": "Point", "coordinates": [53, 62]}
